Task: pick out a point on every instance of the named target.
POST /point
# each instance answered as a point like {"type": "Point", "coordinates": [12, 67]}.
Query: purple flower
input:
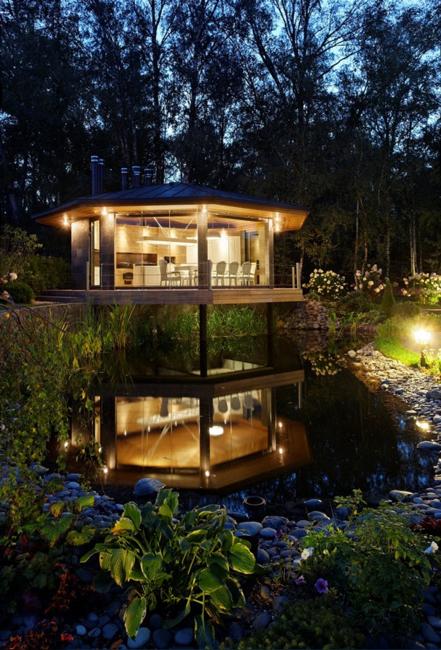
{"type": "Point", "coordinates": [321, 586]}
{"type": "Point", "coordinates": [300, 580]}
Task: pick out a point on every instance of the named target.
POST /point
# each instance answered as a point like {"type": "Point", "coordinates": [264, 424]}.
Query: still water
{"type": "Point", "coordinates": [271, 416]}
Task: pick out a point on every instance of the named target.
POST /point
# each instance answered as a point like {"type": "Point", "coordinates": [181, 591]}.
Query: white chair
{"type": "Point", "coordinates": [218, 275]}
{"type": "Point", "coordinates": [233, 271]}
{"type": "Point", "coordinates": [168, 275]}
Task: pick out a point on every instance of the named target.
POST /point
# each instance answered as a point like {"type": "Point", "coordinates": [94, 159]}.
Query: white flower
{"type": "Point", "coordinates": [432, 548]}
{"type": "Point", "coordinates": [309, 552]}
{"type": "Point", "coordinates": [12, 276]}
{"type": "Point", "coordinates": [370, 283]}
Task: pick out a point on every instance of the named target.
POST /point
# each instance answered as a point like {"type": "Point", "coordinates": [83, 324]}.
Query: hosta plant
{"type": "Point", "coordinates": [187, 564]}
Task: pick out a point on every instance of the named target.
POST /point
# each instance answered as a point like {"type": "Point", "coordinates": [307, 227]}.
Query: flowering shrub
{"type": "Point", "coordinates": [371, 282]}
{"type": "Point", "coordinates": [326, 284]}
{"type": "Point", "coordinates": [426, 287]}
{"type": "Point", "coordinates": [5, 280]}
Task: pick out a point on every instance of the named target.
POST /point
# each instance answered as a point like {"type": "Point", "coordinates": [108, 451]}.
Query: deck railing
{"type": "Point", "coordinates": [191, 276]}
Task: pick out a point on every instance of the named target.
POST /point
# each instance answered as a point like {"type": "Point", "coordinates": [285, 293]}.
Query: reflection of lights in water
{"type": "Point", "coordinates": [66, 444]}
{"type": "Point", "coordinates": [125, 432]}
{"type": "Point", "coordinates": [100, 449]}
{"type": "Point", "coordinates": [215, 430]}
{"type": "Point", "coordinates": [105, 470]}
{"type": "Point", "coordinates": [422, 425]}
{"type": "Point", "coordinates": [280, 424]}
{"type": "Point", "coordinates": [281, 451]}
{"type": "Point", "coordinates": [207, 473]}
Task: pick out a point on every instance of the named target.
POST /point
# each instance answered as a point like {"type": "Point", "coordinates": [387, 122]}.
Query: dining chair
{"type": "Point", "coordinates": [245, 273]}
{"type": "Point", "coordinates": [233, 270]}
{"type": "Point", "coordinates": [168, 276]}
{"type": "Point", "coordinates": [219, 273]}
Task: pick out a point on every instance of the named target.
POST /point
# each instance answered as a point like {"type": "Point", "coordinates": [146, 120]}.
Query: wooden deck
{"type": "Point", "coordinates": [196, 296]}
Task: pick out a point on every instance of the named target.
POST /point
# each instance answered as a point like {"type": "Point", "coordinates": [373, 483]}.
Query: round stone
{"type": "Point", "coordinates": [155, 621]}
{"type": "Point", "coordinates": [140, 640]}
{"type": "Point", "coordinates": [274, 521]}
{"type": "Point", "coordinates": [80, 630]}
{"type": "Point", "coordinates": [313, 503]}
{"type": "Point", "coordinates": [110, 630]}
{"type": "Point", "coordinates": [429, 445]}
{"type": "Point", "coordinates": [184, 636]}
{"type": "Point", "coordinates": [147, 487]}
{"type": "Point", "coordinates": [162, 639]}
{"type": "Point", "coordinates": [262, 621]}
{"type": "Point", "coordinates": [268, 533]}
{"type": "Point", "coordinates": [317, 515]}
{"type": "Point", "coordinates": [250, 528]}
{"type": "Point", "coordinates": [262, 556]}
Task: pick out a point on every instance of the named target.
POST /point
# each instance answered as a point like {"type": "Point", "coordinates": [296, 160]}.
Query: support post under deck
{"type": "Point", "coordinates": [203, 352]}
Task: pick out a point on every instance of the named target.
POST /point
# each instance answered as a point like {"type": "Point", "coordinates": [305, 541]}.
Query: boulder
{"type": "Point", "coordinates": [147, 487]}
{"type": "Point", "coordinates": [429, 445]}
{"type": "Point", "coordinates": [140, 640]}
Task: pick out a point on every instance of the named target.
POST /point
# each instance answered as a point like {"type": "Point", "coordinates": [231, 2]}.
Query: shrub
{"type": "Point", "coordinates": [313, 623]}
{"type": "Point", "coordinates": [426, 287]}
{"type": "Point", "coordinates": [357, 301]}
{"type": "Point", "coordinates": [44, 272]}
{"type": "Point", "coordinates": [185, 565]}
{"type": "Point", "coordinates": [20, 292]}
{"type": "Point", "coordinates": [371, 281]}
{"type": "Point", "coordinates": [378, 568]}
{"type": "Point", "coordinates": [326, 284]}
{"type": "Point", "coordinates": [406, 309]}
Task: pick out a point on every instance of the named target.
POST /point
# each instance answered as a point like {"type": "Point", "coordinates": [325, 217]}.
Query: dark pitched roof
{"type": "Point", "coordinates": [169, 192]}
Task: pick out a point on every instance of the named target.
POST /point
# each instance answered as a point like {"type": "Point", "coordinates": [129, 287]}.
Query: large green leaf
{"type": "Point", "coordinates": [151, 566]}
{"type": "Point", "coordinates": [121, 564]}
{"type": "Point", "coordinates": [86, 501]}
{"type": "Point", "coordinates": [208, 581]}
{"type": "Point", "coordinates": [132, 512]}
{"type": "Point", "coordinates": [222, 599]}
{"type": "Point", "coordinates": [80, 537]}
{"type": "Point", "coordinates": [196, 535]}
{"type": "Point", "coordinates": [241, 558]}
{"type": "Point", "coordinates": [123, 525]}
{"type": "Point", "coordinates": [57, 508]}
{"type": "Point", "coordinates": [134, 615]}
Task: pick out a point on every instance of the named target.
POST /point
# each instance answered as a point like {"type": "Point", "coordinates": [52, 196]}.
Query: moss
{"type": "Point", "coordinates": [395, 350]}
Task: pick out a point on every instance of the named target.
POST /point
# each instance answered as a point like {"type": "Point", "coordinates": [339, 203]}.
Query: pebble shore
{"type": "Point", "coordinates": [274, 539]}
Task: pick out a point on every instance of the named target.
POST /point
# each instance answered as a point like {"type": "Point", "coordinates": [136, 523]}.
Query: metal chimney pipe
{"type": "Point", "coordinates": [94, 173]}
{"type": "Point", "coordinates": [136, 175]}
{"type": "Point", "coordinates": [124, 178]}
{"type": "Point", "coordinates": [149, 174]}
{"type": "Point", "coordinates": [101, 175]}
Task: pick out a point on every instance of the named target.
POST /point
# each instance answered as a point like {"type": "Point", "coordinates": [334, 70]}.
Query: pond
{"type": "Point", "coordinates": [272, 417]}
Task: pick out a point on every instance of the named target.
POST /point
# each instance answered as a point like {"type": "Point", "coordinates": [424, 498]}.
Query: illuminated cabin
{"type": "Point", "coordinates": [176, 243]}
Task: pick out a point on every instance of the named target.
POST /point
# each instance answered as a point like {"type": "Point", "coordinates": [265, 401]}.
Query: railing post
{"type": "Point", "coordinates": [209, 278]}
{"type": "Point", "coordinates": [294, 278]}
{"type": "Point", "coordinates": [87, 275]}
{"type": "Point", "coordinates": [298, 275]}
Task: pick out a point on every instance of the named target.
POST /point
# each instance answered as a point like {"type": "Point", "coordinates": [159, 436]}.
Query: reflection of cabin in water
{"type": "Point", "coordinates": [208, 436]}
{"type": "Point", "coordinates": [175, 243]}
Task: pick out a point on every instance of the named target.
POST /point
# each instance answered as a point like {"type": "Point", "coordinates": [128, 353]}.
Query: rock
{"type": "Point", "coordinates": [429, 633]}
{"type": "Point", "coordinates": [110, 630]}
{"type": "Point", "coordinates": [434, 394]}
{"type": "Point", "coordinates": [250, 528]}
{"type": "Point", "coordinates": [429, 445]}
{"type": "Point", "coordinates": [95, 632]}
{"type": "Point", "coordinates": [265, 592]}
{"type": "Point", "coordinates": [299, 533]}
{"type": "Point", "coordinates": [80, 630]}
{"type": "Point", "coordinates": [342, 512]}
{"type": "Point", "coordinates": [262, 556]}
{"type": "Point", "coordinates": [400, 495]}
{"type": "Point", "coordinates": [280, 602]}
{"type": "Point", "coordinates": [313, 503]}
{"type": "Point", "coordinates": [141, 639]}
{"type": "Point", "coordinates": [155, 621]}
{"type": "Point", "coordinates": [162, 639]}
{"type": "Point", "coordinates": [274, 521]}
{"type": "Point", "coordinates": [302, 523]}
{"type": "Point", "coordinates": [351, 354]}
{"type": "Point", "coordinates": [434, 621]}
{"type": "Point", "coordinates": [317, 515]}
{"type": "Point", "coordinates": [184, 636]}
{"type": "Point", "coordinates": [268, 533]}
{"type": "Point", "coordinates": [73, 485]}
{"type": "Point", "coordinates": [236, 631]}
{"type": "Point", "coordinates": [262, 621]}
{"type": "Point", "coordinates": [73, 476]}
{"type": "Point", "coordinates": [147, 487]}
{"type": "Point", "coordinates": [436, 418]}
{"type": "Point", "coordinates": [92, 617]}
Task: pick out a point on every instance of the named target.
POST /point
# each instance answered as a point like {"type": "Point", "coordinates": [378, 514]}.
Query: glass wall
{"type": "Point", "coordinates": [238, 250]}
{"type": "Point", "coordinates": [156, 250]}
{"type": "Point", "coordinates": [161, 250]}
{"type": "Point", "coordinates": [95, 265]}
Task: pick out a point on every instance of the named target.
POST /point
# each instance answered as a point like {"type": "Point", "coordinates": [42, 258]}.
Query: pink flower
{"type": "Point", "coordinates": [321, 586]}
